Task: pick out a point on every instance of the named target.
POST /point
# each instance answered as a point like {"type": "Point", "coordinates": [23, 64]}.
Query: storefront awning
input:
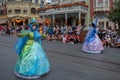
{"type": "Point", "coordinates": [3, 21]}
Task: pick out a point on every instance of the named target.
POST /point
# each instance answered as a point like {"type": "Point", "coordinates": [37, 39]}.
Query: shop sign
{"type": "Point", "coordinates": [67, 9]}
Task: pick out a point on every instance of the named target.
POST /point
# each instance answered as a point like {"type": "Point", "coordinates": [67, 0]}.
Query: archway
{"type": "Point", "coordinates": [33, 10]}
{"type": "Point", "coordinates": [103, 21]}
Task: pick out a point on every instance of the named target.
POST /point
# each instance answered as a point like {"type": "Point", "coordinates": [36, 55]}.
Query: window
{"type": "Point", "coordinates": [94, 4]}
{"type": "Point", "coordinates": [33, 11]}
{"type": "Point", "coordinates": [42, 4]}
{"type": "Point", "coordinates": [0, 3]}
{"type": "Point", "coordinates": [17, 11]}
{"type": "Point", "coordinates": [1, 12]}
{"type": "Point", "coordinates": [24, 11]}
{"type": "Point", "coordinates": [9, 11]}
{"type": "Point", "coordinates": [36, 1]}
{"type": "Point", "coordinates": [106, 4]}
{"type": "Point", "coordinates": [99, 3]}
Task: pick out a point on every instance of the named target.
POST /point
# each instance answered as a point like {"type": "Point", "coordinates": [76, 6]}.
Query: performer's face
{"type": "Point", "coordinates": [34, 27]}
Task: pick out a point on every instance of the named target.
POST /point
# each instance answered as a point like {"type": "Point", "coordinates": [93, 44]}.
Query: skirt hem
{"type": "Point", "coordinates": [92, 51]}
{"type": "Point", "coordinates": [28, 77]}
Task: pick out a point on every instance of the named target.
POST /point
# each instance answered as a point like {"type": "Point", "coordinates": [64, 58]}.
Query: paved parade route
{"type": "Point", "coordinates": [67, 61]}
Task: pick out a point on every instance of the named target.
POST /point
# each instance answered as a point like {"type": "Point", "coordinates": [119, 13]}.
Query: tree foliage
{"type": "Point", "coordinates": [115, 12]}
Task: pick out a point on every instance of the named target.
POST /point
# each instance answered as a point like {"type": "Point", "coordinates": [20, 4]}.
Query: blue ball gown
{"type": "Point", "coordinates": [92, 43]}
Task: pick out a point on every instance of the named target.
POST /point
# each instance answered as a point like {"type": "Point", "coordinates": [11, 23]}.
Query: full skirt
{"type": "Point", "coordinates": [94, 46]}
{"type": "Point", "coordinates": [32, 62]}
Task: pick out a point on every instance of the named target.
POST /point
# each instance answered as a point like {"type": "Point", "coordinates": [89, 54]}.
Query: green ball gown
{"type": "Point", "coordinates": [32, 61]}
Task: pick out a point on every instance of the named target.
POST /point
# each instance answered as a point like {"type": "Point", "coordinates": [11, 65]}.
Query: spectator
{"type": "Point", "coordinates": [45, 29]}
{"type": "Point", "coordinates": [64, 39]}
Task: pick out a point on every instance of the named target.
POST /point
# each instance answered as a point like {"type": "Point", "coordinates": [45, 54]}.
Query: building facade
{"type": "Point", "coordinates": [18, 12]}
{"type": "Point", "coordinates": [65, 12]}
{"type": "Point", "coordinates": [100, 9]}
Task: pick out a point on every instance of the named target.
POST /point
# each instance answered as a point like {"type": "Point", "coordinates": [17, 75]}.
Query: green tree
{"type": "Point", "coordinates": [115, 13]}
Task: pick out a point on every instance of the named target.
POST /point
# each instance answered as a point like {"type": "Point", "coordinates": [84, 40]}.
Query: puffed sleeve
{"type": "Point", "coordinates": [23, 33]}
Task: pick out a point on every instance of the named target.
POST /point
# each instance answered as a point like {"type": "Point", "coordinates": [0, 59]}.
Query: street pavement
{"type": "Point", "coordinates": [67, 61]}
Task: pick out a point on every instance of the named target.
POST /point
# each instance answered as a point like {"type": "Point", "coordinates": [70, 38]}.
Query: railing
{"type": "Point", "coordinates": [102, 9]}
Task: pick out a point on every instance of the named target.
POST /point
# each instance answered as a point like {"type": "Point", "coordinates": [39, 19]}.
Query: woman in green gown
{"type": "Point", "coordinates": [32, 60]}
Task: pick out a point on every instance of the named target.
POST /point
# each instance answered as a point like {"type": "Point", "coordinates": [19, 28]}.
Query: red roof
{"type": "Point", "coordinates": [64, 5]}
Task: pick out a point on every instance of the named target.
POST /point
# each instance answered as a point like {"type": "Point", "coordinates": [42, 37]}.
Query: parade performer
{"type": "Point", "coordinates": [32, 60]}
{"type": "Point", "coordinates": [92, 43]}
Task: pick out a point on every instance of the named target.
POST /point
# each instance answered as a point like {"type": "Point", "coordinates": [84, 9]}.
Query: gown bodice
{"type": "Point", "coordinates": [30, 36]}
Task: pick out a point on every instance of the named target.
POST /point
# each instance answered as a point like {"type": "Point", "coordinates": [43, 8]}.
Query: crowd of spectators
{"type": "Point", "coordinates": [68, 34]}
{"type": "Point", "coordinates": [7, 30]}
{"type": "Point", "coordinates": [64, 33]}
{"type": "Point", "coordinates": [110, 38]}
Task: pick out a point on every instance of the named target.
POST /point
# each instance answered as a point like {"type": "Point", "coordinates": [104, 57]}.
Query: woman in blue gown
{"type": "Point", "coordinates": [32, 60]}
{"type": "Point", "coordinates": [92, 43]}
